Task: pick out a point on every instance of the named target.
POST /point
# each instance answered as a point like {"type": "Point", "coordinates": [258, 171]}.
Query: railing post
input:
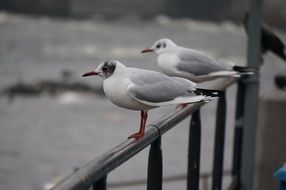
{"type": "Point", "coordinates": [238, 130]}
{"type": "Point", "coordinates": [219, 143]}
{"type": "Point", "coordinates": [100, 184]}
{"type": "Point", "coordinates": [154, 178]}
{"type": "Point", "coordinates": [194, 152]}
{"type": "Point", "coordinates": [251, 96]}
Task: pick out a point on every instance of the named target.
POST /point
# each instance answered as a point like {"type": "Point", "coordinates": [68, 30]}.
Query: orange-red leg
{"type": "Point", "coordinates": [141, 132]}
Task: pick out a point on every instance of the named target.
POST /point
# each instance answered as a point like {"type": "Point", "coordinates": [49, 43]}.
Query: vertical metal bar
{"type": "Point", "coordinates": [251, 96]}
{"type": "Point", "coordinates": [219, 143]}
{"type": "Point", "coordinates": [100, 184]}
{"type": "Point", "coordinates": [194, 152]}
{"type": "Point", "coordinates": [205, 183]}
{"type": "Point", "coordinates": [238, 130]}
{"type": "Point", "coordinates": [154, 178]}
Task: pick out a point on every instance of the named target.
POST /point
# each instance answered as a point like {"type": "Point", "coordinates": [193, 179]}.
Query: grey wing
{"type": "Point", "coordinates": [156, 87]}
{"type": "Point", "coordinates": [198, 63]}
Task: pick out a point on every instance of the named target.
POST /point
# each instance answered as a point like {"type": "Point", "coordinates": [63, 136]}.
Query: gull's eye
{"type": "Point", "coordinates": [105, 68]}
{"type": "Point", "coordinates": [158, 46]}
{"type": "Point", "coordinates": [164, 45]}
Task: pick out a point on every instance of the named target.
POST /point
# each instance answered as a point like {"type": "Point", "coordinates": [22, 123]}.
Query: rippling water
{"type": "Point", "coordinates": [44, 134]}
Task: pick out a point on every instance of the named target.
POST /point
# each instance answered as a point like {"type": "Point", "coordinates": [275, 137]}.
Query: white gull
{"type": "Point", "coordinates": [191, 64]}
{"type": "Point", "coordinates": [138, 89]}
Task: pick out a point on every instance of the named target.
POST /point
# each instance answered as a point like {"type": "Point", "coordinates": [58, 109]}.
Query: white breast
{"type": "Point", "coordinates": [167, 63]}
{"type": "Point", "coordinates": [115, 89]}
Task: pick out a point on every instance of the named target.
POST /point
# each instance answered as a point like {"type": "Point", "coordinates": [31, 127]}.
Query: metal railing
{"type": "Point", "coordinates": [94, 174]}
{"type": "Point", "coordinates": [204, 178]}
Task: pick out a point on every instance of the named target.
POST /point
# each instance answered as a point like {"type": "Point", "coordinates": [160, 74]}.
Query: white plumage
{"type": "Point", "coordinates": [138, 89]}
{"type": "Point", "coordinates": [188, 63]}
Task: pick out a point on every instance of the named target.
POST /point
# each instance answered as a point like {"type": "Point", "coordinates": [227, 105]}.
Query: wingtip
{"type": "Point", "coordinates": [209, 92]}
{"type": "Point", "coordinates": [244, 69]}
{"type": "Point", "coordinates": [208, 99]}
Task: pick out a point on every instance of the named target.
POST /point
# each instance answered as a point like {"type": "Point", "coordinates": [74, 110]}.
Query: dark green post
{"type": "Point", "coordinates": [251, 96]}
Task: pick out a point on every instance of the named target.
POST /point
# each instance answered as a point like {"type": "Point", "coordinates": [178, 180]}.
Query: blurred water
{"type": "Point", "coordinates": [42, 134]}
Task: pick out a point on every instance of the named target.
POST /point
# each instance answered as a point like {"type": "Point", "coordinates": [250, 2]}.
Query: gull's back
{"type": "Point", "coordinates": [198, 63]}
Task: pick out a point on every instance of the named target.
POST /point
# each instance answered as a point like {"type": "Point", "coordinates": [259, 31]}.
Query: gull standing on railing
{"type": "Point", "coordinates": [139, 89]}
{"type": "Point", "coordinates": [191, 64]}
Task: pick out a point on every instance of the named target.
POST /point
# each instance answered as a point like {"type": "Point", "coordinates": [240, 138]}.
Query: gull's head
{"type": "Point", "coordinates": [161, 46]}
{"type": "Point", "coordinates": [105, 69]}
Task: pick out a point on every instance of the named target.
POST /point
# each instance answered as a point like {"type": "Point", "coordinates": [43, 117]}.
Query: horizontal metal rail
{"type": "Point", "coordinates": [97, 169]}
{"type": "Point", "coordinates": [168, 179]}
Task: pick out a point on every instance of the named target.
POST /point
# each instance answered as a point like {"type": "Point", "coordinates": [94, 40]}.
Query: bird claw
{"type": "Point", "coordinates": [136, 136]}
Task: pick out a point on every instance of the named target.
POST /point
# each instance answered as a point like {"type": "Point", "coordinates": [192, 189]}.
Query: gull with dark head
{"type": "Point", "coordinates": [191, 64]}
{"type": "Point", "coordinates": [142, 90]}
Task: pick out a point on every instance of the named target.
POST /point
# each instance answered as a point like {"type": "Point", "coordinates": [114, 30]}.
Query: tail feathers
{"type": "Point", "coordinates": [244, 73]}
{"type": "Point", "coordinates": [242, 69]}
{"type": "Point", "coordinates": [208, 92]}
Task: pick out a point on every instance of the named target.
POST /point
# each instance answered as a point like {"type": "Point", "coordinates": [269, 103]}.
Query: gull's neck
{"type": "Point", "coordinates": [120, 68]}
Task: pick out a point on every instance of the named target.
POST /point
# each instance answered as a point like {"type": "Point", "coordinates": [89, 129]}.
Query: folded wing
{"type": "Point", "coordinates": [156, 89]}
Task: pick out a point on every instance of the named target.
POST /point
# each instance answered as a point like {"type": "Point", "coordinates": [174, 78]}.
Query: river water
{"type": "Point", "coordinates": [47, 134]}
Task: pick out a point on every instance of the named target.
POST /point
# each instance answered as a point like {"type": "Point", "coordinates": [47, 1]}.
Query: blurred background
{"type": "Point", "coordinates": [52, 121]}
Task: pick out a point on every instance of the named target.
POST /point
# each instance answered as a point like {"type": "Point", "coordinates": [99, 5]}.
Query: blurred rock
{"type": "Point", "coordinates": [50, 87]}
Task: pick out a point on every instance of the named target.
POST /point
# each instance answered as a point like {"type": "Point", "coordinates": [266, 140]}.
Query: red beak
{"type": "Point", "coordinates": [89, 74]}
{"type": "Point", "coordinates": [146, 50]}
